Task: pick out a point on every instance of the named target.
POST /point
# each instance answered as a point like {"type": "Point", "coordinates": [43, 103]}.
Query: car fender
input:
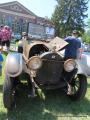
{"type": "Point", "coordinates": [14, 64]}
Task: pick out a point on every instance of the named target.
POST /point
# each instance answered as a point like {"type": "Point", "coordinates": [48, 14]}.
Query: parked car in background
{"type": "Point", "coordinates": [86, 47]}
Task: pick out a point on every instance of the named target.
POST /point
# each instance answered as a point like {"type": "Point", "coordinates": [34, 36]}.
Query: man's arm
{"type": "Point", "coordinates": [80, 53]}
{"type": "Point", "coordinates": [80, 50]}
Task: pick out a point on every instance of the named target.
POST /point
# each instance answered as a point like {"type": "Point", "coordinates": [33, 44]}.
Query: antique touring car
{"type": "Point", "coordinates": [44, 67]}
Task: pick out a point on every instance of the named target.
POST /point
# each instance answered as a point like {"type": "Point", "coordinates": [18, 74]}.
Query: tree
{"type": "Point", "coordinates": [86, 35]}
{"type": "Point", "coordinates": [69, 15]}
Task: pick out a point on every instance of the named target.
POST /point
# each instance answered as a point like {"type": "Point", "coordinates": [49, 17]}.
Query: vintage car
{"type": "Point", "coordinates": [44, 67]}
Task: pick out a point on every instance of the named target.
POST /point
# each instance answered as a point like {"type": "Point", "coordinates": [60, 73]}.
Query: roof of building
{"type": "Point", "coordinates": [11, 7]}
{"type": "Point", "coordinates": [19, 4]}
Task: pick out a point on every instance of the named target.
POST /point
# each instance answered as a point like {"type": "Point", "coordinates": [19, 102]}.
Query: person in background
{"type": "Point", "coordinates": [73, 49]}
{"type": "Point", "coordinates": [6, 37]}
{"type": "Point", "coordinates": [1, 27]}
{"type": "Point", "coordinates": [82, 44]}
{"type": "Point", "coordinates": [1, 60]}
{"type": "Point", "coordinates": [25, 36]}
{"type": "Point", "coordinates": [20, 43]}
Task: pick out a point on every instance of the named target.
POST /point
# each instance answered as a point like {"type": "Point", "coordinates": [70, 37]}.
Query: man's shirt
{"type": "Point", "coordinates": [71, 50]}
{"type": "Point", "coordinates": [5, 35]}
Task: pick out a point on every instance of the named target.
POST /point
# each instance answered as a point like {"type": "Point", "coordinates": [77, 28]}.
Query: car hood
{"type": "Point", "coordinates": [54, 44]}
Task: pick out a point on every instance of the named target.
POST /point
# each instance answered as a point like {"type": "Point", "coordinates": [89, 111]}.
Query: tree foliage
{"type": "Point", "coordinates": [86, 35]}
{"type": "Point", "coordinates": [69, 15]}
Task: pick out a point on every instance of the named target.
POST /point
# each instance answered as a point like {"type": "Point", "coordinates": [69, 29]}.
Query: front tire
{"type": "Point", "coordinates": [8, 93]}
{"type": "Point", "coordinates": [79, 88]}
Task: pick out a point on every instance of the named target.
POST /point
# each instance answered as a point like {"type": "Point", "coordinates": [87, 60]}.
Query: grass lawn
{"type": "Point", "coordinates": [56, 106]}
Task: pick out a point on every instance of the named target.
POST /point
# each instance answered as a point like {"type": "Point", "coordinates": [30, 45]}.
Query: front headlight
{"type": "Point", "coordinates": [69, 65]}
{"type": "Point", "coordinates": [34, 63]}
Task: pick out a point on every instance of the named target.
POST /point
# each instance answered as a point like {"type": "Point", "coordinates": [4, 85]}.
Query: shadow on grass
{"type": "Point", "coordinates": [3, 116]}
{"type": "Point", "coordinates": [1, 88]}
{"type": "Point", "coordinates": [55, 105]}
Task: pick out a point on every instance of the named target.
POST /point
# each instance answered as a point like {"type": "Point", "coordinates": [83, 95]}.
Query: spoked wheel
{"type": "Point", "coordinates": [78, 88]}
{"type": "Point", "coordinates": [8, 93]}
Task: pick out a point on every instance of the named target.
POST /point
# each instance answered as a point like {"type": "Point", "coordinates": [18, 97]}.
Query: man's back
{"type": "Point", "coordinates": [71, 50]}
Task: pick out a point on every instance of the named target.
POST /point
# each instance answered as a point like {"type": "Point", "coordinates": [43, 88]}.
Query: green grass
{"type": "Point", "coordinates": [56, 106]}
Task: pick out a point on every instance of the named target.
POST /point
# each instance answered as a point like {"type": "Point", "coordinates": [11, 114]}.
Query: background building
{"type": "Point", "coordinates": [20, 19]}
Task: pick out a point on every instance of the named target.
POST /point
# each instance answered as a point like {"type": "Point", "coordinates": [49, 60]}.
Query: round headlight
{"type": "Point", "coordinates": [69, 65]}
{"type": "Point", "coordinates": [34, 62]}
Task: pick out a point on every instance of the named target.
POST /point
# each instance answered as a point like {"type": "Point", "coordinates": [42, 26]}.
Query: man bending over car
{"type": "Point", "coordinates": [73, 49]}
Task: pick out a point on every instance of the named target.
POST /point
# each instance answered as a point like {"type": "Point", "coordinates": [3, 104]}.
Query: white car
{"type": "Point", "coordinates": [84, 62]}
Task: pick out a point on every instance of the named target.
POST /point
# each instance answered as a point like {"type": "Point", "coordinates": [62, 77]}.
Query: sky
{"type": "Point", "coordinates": [41, 8]}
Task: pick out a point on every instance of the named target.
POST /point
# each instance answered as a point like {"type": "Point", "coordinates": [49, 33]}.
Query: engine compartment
{"type": "Point", "coordinates": [37, 50]}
